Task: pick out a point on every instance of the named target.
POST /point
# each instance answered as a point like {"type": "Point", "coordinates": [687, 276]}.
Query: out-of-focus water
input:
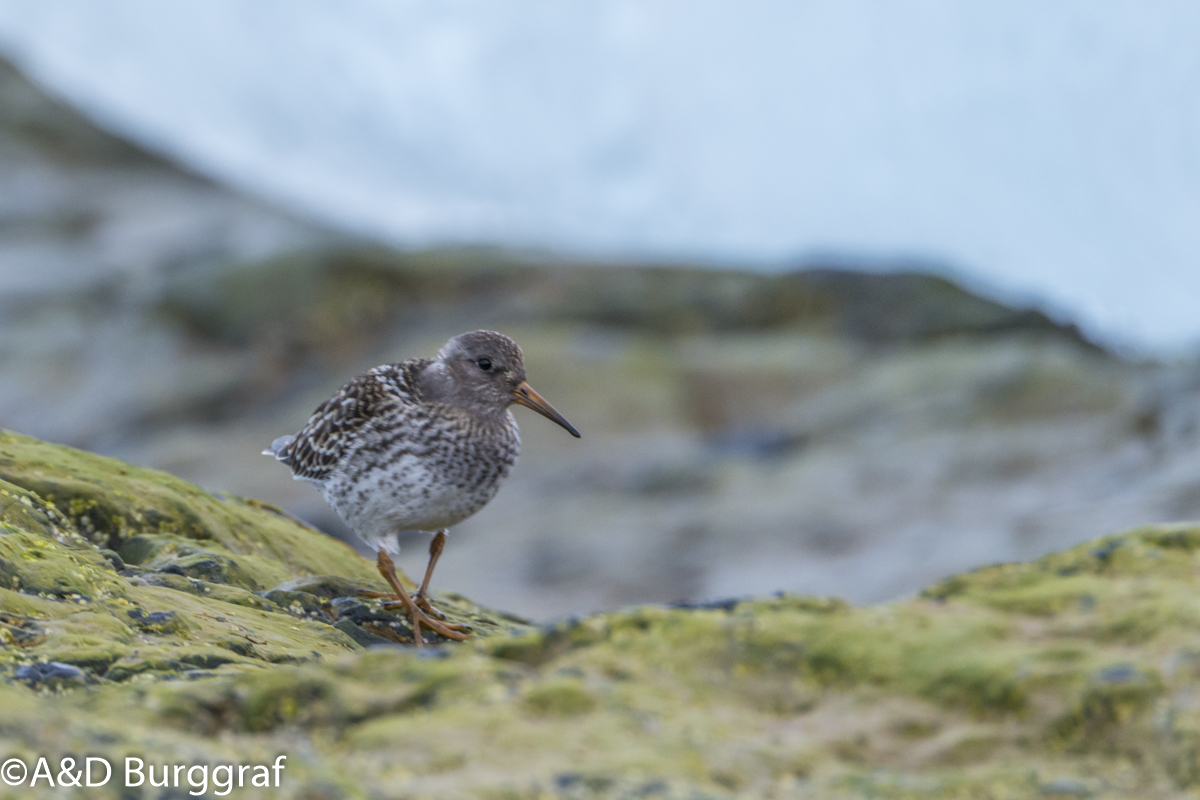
{"type": "Point", "coordinates": [1048, 150]}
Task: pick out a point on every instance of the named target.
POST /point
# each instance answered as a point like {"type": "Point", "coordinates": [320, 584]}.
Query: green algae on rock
{"type": "Point", "coordinates": [121, 572]}
{"type": "Point", "coordinates": [111, 503]}
{"type": "Point", "coordinates": [1073, 675]}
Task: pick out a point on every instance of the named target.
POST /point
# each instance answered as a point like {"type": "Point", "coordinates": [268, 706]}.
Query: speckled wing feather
{"type": "Point", "coordinates": [333, 428]}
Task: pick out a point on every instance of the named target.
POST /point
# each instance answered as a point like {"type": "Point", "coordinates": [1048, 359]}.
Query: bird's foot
{"type": "Point", "coordinates": [450, 630]}
{"type": "Point", "coordinates": [372, 593]}
{"type": "Point", "coordinates": [429, 608]}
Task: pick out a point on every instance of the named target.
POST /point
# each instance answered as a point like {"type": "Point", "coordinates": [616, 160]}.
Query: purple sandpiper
{"type": "Point", "coordinates": [418, 445]}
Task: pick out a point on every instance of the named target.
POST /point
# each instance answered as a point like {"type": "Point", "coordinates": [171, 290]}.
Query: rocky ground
{"type": "Point", "coordinates": [764, 438]}
{"type": "Point", "coordinates": [820, 431]}
{"type": "Point", "coordinates": [827, 432]}
{"type": "Point", "coordinates": [144, 617]}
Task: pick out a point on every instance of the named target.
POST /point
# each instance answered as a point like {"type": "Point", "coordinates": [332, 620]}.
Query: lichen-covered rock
{"type": "Point", "coordinates": [117, 573]}
{"type": "Point", "coordinates": [1071, 676]}
{"type": "Point", "coordinates": [149, 516]}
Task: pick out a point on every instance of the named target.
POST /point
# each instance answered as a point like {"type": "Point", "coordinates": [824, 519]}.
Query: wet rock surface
{"type": "Point", "coordinates": [1071, 676]}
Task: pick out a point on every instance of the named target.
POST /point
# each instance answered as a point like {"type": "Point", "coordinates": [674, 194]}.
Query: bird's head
{"type": "Point", "coordinates": [485, 370]}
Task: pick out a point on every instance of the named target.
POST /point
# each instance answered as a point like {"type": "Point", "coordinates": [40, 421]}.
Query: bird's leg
{"type": "Point", "coordinates": [421, 598]}
{"type": "Point", "coordinates": [436, 545]}
{"type": "Point", "coordinates": [387, 569]}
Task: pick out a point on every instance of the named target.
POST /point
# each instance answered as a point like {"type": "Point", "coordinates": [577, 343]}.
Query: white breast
{"type": "Point", "coordinates": [441, 488]}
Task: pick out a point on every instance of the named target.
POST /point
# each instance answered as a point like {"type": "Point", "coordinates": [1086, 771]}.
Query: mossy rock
{"type": "Point", "coordinates": [1073, 675]}
{"type": "Point", "coordinates": [321, 300]}
{"type": "Point", "coordinates": [206, 583]}
{"type": "Point", "coordinates": [111, 502]}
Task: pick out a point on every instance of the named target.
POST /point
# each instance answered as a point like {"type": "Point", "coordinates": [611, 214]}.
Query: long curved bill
{"type": "Point", "coordinates": [524, 395]}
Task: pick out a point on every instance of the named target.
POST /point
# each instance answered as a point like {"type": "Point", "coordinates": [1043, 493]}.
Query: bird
{"type": "Point", "coordinates": [419, 445]}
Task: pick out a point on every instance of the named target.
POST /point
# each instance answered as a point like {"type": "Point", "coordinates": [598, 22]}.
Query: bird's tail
{"type": "Point", "coordinates": [279, 449]}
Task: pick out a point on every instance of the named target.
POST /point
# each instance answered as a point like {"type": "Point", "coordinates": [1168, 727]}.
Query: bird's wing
{"type": "Point", "coordinates": [332, 430]}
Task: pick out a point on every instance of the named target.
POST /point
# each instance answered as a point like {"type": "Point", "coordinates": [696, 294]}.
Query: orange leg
{"type": "Point", "coordinates": [387, 569]}
{"type": "Point", "coordinates": [421, 598]}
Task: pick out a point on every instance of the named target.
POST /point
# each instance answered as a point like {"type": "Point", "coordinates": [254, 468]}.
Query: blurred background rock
{"type": "Point", "coordinates": [826, 430]}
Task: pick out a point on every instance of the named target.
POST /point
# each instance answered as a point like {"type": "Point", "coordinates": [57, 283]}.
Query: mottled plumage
{"type": "Point", "coordinates": [333, 428]}
{"type": "Point", "coordinates": [417, 445]}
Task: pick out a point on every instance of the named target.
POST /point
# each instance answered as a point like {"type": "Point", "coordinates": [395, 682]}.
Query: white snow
{"type": "Point", "coordinates": [1047, 150]}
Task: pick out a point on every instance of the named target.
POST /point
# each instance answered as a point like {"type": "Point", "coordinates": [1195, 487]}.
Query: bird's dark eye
{"type": "Point", "coordinates": [484, 364]}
